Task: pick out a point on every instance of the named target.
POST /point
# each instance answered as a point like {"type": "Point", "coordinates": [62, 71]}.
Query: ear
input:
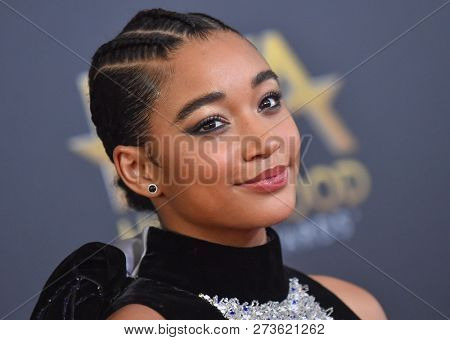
{"type": "Point", "coordinates": [135, 169]}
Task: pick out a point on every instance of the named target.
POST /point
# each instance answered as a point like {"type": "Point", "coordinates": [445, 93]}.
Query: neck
{"type": "Point", "coordinates": [235, 237]}
{"type": "Point", "coordinates": [201, 266]}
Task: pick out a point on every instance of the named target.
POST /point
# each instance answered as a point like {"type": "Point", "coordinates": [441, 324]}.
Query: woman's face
{"type": "Point", "coordinates": [251, 130]}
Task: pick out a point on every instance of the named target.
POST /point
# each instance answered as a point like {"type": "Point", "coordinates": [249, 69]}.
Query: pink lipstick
{"type": "Point", "coordinates": [269, 180]}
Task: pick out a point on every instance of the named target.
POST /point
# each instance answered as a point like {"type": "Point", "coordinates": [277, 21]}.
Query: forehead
{"type": "Point", "coordinates": [224, 57]}
{"type": "Point", "coordinates": [224, 62]}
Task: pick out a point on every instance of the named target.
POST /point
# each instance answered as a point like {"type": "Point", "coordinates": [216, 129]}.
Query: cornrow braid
{"type": "Point", "coordinates": [127, 74]}
{"type": "Point", "coordinates": [148, 45]}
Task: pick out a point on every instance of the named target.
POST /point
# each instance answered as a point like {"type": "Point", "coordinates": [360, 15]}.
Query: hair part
{"type": "Point", "coordinates": [128, 73]}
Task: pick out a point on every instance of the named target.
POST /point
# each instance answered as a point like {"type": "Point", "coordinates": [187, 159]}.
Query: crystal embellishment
{"type": "Point", "coordinates": [298, 305]}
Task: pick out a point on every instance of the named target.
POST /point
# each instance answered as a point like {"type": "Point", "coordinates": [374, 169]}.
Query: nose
{"type": "Point", "coordinates": [254, 146]}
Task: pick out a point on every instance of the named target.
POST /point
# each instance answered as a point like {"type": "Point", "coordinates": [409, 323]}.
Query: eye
{"type": "Point", "coordinates": [271, 101]}
{"type": "Point", "coordinates": [207, 125]}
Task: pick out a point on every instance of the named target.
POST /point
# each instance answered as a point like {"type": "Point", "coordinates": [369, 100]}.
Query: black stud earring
{"type": "Point", "coordinates": [153, 188]}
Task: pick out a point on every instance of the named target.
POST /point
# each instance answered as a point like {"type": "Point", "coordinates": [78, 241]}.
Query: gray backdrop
{"type": "Point", "coordinates": [375, 211]}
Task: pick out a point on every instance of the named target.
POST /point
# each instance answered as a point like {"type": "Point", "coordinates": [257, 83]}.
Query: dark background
{"type": "Point", "coordinates": [396, 105]}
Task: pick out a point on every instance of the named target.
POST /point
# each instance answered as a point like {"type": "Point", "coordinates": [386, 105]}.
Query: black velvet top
{"type": "Point", "coordinates": [185, 278]}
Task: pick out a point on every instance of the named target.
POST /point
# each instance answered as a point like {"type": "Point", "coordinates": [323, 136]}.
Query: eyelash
{"type": "Point", "coordinates": [196, 129]}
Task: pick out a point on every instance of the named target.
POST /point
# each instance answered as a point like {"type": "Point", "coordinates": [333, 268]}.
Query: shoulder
{"type": "Point", "coordinates": [135, 312]}
{"type": "Point", "coordinates": [361, 301]}
{"type": "Point", "coordinates": [82, 283]}
{"type": "Point", "coordinates": [150, 299]}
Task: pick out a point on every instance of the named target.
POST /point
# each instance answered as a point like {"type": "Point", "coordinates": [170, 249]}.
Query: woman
{"type": "Point", "coordinates": [194, 121]}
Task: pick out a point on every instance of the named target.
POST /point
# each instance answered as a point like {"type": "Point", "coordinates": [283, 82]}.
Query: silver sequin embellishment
{"type": "Point", "coordinates": [298, 305]}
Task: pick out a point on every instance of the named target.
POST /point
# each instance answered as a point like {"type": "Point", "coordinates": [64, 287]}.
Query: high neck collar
{"type": "Point", "coordinates": [200, 266]}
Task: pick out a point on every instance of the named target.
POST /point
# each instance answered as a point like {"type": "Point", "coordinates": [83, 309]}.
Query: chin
{"type": "Point", "coordinates": [274, 208]}
{"type": "Point", "coordinates": [282, 202]}
{"type": "Point", "coordinates": [258, 208]}
{"type": "Point", "coordinates": [280, 209]}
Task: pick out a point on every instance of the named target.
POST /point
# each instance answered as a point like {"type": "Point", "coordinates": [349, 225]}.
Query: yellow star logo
{"type": "Point", "coordinates": [313, 95]}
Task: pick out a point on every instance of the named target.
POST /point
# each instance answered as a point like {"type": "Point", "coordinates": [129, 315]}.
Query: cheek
{"type": "Point", "coordinates": [288, 132]}
{"type": "Point", "coordinates": [215, 163]}
{"type": "Point", "coordinates": [295, 143]}
{"type": "Point", "coordinates": [208, 189]}
{"type": "Point", "coordinates": [196, 162]}
{"type": "Point", "coordinates": [179, 161]}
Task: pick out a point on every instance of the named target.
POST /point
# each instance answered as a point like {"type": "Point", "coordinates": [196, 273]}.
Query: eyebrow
{"type": "Point", "coordinates": [215, 96]}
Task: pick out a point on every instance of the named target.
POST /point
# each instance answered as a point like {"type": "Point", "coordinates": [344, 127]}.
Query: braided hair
{"type": "Point", "coordinates": [127, 73]}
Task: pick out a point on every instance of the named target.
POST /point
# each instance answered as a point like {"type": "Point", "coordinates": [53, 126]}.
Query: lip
{"type": "Point", "coordinates": [269, 180]}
